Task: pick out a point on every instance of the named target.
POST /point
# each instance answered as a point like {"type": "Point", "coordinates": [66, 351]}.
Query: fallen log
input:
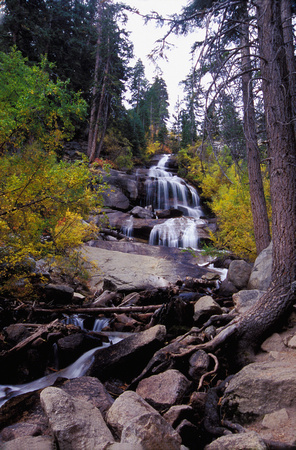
{"type": "Point", "coordinates": [24, 343]}
{"type": "Point", "coordinates": [101, 310]}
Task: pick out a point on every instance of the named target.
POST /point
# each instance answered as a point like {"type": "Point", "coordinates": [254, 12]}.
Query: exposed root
{"type": "Point", "coordinates": [209, 373]}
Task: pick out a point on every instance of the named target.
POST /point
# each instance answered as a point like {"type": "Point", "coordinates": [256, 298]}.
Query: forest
{"type": "Point", "coordinates": [64, 73]}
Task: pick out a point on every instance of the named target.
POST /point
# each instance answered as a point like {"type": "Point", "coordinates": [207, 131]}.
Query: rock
{"type": "Point", "coordinates": [107, 298]}
{"type": "Point", "coordinates": [32, 443]}
{"type": "Point", "coordinates": [206, 307]}
{"type": "Point", "coordinates": [122, 446]}
{"type": "Point", "coordinates": [15, 333]}
{"type": "Point", "coordinates": [152, 432]}
{"type": "Point", "coordinates": [20, 430]}
{"type": "Point", "coordinates": [58, 294]}
{"type": "Point", "coordinates": [76, 423]}
{"type": "Point", "coordinates": [141, 213]}
{"type": "Point", "coordinates": [241, 441]}
{"type": "Point", "coordinates": [239, 273]}
{"type": "Point", "coordinates": [245, 299]}
{"type": "Point", "coordinates": [126, 407]}
{"type": "Point", "coordinates": [260, 277]}
{"type": "Point", "coordinates": [115, 198]}
{"type": "Point", "coordinates": [78, 298]}
{"type": "Point", "coordinates": [276, 419]}
{"type": "Point", "coordinates": [90, 389]}
{"type": "Point", "coordinates": [227, 288]}
{"type": "Point", "coordinates": [260, 388]}
{"type": "Point", "coordinates": [73, 346]}
{"type": "Point", "coordinates": [189, 433]}
{"type": "Point", "coordinates": [198, 402]}
{"type": "Point", "coordinates": [129, 356]}
{"type": "Point", "coordinates": [177, 413]}
{"type": "Point", "coordinates": [198, 364]}
{"type": "Point", "coordinates": [164, 389]}
{"type": "Point", "coordinates": [273, 343]}
{"type": "Point", "coordinates": [292, 342]}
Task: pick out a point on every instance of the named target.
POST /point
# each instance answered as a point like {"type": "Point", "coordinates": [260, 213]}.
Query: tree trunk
{"type": "Point", "coordinates": [258, 202]}
{"type": "Point", "coordinates": [275, 304]}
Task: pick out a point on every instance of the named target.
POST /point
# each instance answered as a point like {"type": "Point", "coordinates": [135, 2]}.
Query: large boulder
{"type": "Point", "coordinates": [239, 273]}
{"type": "Point", "coordinates": [127, 358]}
{"type": "Point", "coordinates": [245, 299]}
{"type": "Point", "coordinates": [260, 388]}
{"type": "Point", "coordinates": [115, 198]}
{"type": "Point", "coordinates": [132, 418]}
{"type": "Point", "coordinates": [75, 423]}
{"type": "Point", "coordinates": [164, 389]}
{"type": "Point", "coordinates": [260, 277]}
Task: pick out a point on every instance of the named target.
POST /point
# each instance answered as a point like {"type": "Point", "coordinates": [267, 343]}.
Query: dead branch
{"type": "Point", "coordinates": [101, 310]}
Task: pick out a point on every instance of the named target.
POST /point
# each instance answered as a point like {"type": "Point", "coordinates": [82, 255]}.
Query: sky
{"type": "Point", "coordinates": [144, 37]}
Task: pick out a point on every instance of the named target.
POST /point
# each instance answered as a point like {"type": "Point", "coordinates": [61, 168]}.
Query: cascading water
{"type": "Point", "coordinates": [167, 191]}
{"type": "Point", "coordinates": [127, 227]}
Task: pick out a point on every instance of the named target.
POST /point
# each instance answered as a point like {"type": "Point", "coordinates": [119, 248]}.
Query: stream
{"type": "Point", "coordinates": [164, 191]}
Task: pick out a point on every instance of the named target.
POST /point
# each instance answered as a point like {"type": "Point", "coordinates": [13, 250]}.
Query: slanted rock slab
{"type": "Point", "coordinates": [164, 389]}
{"type": "Point", "coordinates": [127, 358]}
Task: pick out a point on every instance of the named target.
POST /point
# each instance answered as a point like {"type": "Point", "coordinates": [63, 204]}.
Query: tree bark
{"type": "Point", "coordinates": [258, 202]}
{"type": "Point", "coordinates": [275, 304]}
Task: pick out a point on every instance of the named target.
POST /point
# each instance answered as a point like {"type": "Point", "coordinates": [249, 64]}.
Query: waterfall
{"type": "Point", "coordinates": [127, 227]}
{"type": "Point", "coordinates": [166, 191]}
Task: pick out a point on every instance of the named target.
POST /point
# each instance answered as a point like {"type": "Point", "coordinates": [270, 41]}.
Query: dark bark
{"type": "Point", "coordinates": [258, 202]}
{"type": "Point", "coordinates": [276, 303]}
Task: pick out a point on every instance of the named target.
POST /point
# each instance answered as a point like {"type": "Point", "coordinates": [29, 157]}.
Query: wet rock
{"type": "Point", "coordinates": [239, 273]}
{"type": "Point", "coordinates": [260, 388]}
{"type": "Point", "coordinates": [58, 294]}
{"type": "Point", "coordinates": [142, 213]}
{"type": "Point", "coordinates": [245, 299]}
{"type": "Point", "coordinates": [73, 346]}
{"type": "Point", "coordinates": [206, 307]}
{"type": "Point", "coordinates": [32, 443]}
{"type": "Point", "coordinates": [198, 364]}
{"type": "Point", "coordinates": [241, 441]}
{"type": "Point", "coordinates": [260, 277]}
{"type": "Point", "coordinates": [129, 356]}
{"type": "Point", "coordinates": [76, 423]}
{"type": "Point", "coordinates": [152, 432]}
{"type": "Point", "coordinates": [164, 390]}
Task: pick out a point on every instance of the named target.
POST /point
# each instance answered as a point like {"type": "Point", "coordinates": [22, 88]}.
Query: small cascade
{"type": "Point", "coordinates": [181, 232]}
{"type": "Point", "coordinates": [167, 191]}
{"type": "Point", "coordinates": [100, 324]}
{"type": "Point", "coordinates": [127, 227]}
{"type": "Point", "coordinates": [86, 324]}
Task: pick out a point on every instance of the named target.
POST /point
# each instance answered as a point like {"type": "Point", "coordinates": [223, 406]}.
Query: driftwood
{"type": "Point", "coordinates": [114, 233]}
{"type": "Point", "coordinates": [101, 310]}
{"type": "Point", "coordinates": [21, 345]}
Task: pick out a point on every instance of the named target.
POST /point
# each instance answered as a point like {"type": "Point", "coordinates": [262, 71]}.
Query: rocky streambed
{"type": "Point", "coordinates": [120, 365]}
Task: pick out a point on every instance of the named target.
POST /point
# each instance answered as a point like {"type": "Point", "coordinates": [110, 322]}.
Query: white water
{"type": "Point", "coordinates": [75, 370]}
{"type": "Point", "coordinates": [127, 227]}
{"type": "Point", "coordinates": [165, 191]}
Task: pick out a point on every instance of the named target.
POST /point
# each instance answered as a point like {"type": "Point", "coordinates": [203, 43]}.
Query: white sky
{"type": "Point", "coordinates": [144, 37]}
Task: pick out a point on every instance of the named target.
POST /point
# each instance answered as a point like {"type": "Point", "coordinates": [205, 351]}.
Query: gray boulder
{"type": "Point", "coordinates": [58, 294]}
{"type": "Point", "coordinates": [260, 277]}
{"type": "Point", "coordinates": [152, 432]}
{"type": "Point", "coordinates": [142, 213]}
{"type": "Point", "coordinates": [241, 441]}
{"type": "Point", "coordinates": [245, 299]}
{"type": "Point", "coordinates": [260, 388]}
{"type": "Point", "coordinates": [132, 418]}
{"type": "Point", "coordinates": [115, 198]}
{"type": "Point", "coordinates": [206, 307]}
{"type": "Point", "coordinates": [76, 423]}
{"type": "Point", "coordinates": [164, 389]}
{"type": "Point", "coordinates": [239, 273]}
